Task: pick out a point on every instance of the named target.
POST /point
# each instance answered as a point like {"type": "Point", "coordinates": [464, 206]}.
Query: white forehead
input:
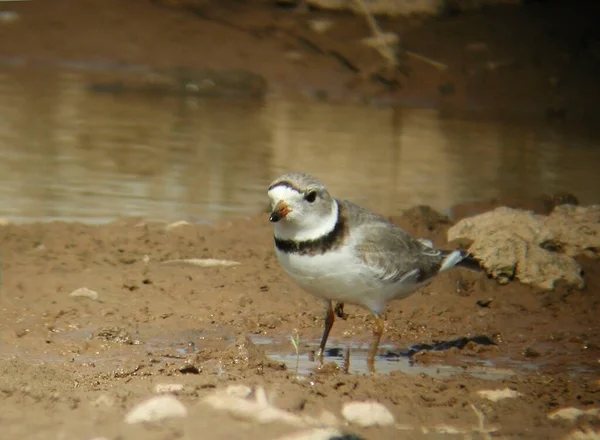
{"type": "Point", "coordinates": [283, 193]}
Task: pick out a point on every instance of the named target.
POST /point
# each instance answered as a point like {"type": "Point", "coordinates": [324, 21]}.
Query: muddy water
{"type": "Point", "coordinates": [352, 358]}
{"type": "Point", "coordinates": [70, 151]}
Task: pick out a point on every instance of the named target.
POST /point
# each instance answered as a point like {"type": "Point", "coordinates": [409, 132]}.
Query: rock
{"type": "Point", "coordinates": [509, 243]}
{"type": "Point", "coordinates": [168, 388]}
{"type": "Point", "coordinates": [177, 224]}
{"type": "Point", "coordinates": [496, 395]}
{"type": "Point", "coordinates": [84, 292]}
{"type": "Point", "coordinates": [155, 409]}
{"type": "Point", "coordinates": [573, 413]}
{"type": "Point", "coordinates": [367, 414]}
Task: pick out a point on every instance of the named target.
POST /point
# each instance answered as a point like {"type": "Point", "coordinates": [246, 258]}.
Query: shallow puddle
{"type": "Point", "coordinates": [386, 362]}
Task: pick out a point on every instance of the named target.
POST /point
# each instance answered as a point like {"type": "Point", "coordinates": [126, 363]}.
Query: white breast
{"type": "Point", "coordinates": [338, 275]}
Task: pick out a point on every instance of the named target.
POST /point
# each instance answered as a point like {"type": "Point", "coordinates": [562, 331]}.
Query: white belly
{"type": "Point", "coordinates": [340, 276]}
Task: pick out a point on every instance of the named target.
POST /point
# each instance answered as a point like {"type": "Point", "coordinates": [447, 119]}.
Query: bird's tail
{"type": "Point", "coordinates": [460, 258]}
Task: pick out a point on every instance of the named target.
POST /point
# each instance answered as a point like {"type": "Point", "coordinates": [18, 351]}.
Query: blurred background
{"type": "Point", "coordinates": [187, 109]}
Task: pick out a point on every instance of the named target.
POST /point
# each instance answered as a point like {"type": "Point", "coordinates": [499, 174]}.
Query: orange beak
{"type": "Point", "coordinates": [279, 212]}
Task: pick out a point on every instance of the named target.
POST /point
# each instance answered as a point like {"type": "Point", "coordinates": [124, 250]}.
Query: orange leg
{"type": "Point", "coordinates": [377, 333]}
{"type": "Point", "coordinates": [329, 320]}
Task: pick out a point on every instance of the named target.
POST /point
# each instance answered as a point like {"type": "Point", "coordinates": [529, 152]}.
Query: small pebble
{"type": "Point", "coordinates": [168, 388]}
{"type": "Point", "coordinates": [367, 414]}
{"type": "Point", "coordinates": [178, 223]}
{"type": "Point", "coordinates": [155, 409]}
{"type": "Point", "coordinates": [84, 292]}
{"type": "Point", "coordinates": [573, 413]}
{"type": "Point", "coordinates": [496, 395]}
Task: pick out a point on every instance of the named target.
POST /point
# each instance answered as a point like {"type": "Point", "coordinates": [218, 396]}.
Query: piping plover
{"type": "Point", "coordinates": [339, 251]}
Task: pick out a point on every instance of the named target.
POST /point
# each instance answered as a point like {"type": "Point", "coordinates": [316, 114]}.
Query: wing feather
{"type": "Point", "coordinates": [395, 257]}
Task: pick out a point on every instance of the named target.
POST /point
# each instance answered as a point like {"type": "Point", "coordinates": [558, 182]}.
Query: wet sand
{"type": "Point", "coordinates": [72, 367]}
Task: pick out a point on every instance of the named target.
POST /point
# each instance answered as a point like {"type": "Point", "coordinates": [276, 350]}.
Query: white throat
{"type": "Point", "coordinates": [311, 229]}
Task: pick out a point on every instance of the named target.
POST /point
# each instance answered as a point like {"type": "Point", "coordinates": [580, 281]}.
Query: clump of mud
{"type": "Point", "coordinates": [534, 249]}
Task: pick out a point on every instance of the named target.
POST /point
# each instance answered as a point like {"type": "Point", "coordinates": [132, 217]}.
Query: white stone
{"type": "Point", "coordinates": [168, 388]}
{"type": "Point", "coordinates": [496, 395]}
{"type": "Point", "coordinates": [84, 292]}
{"type": "Point", "coordinates": [573, 413]}
{"type": "Point", "coordinates": [155, 409]}
{"type": "Point", "coordinates": [367, 414]}
{"type": "Point", "coordinates": [177, 225]}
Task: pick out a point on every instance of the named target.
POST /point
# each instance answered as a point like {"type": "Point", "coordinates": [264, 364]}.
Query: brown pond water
{"type": "Point", "coordinates": [71, 151]}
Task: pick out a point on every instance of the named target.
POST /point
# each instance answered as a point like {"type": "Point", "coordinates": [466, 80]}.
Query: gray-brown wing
{"type": "Point", "coordinates": [396, 257]}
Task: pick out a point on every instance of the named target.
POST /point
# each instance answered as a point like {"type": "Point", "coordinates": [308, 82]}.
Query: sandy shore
{"type": "Point", "coordinates": [73, 366]}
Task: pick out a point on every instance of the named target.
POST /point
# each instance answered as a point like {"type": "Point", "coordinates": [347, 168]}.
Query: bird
{"type": "Point", "coordinates": [341, 252]}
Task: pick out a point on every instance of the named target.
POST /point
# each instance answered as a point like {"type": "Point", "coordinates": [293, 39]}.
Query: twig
{"type": "Point", "coordinates": [296, 343]}
{"type": "Point", "coordinates": [440, 66]}
{"type": "Point", "coordinates": [482, 429]}
{"type": "Point", "coordinates": [384, 49]}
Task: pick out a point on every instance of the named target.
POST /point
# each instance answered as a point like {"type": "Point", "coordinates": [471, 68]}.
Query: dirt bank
{"type": "Point", "coordinates": [539, 59]}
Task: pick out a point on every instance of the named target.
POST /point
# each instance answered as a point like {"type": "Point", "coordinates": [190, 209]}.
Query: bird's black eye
{"type": "Point", "coordinates": [310, 196]}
